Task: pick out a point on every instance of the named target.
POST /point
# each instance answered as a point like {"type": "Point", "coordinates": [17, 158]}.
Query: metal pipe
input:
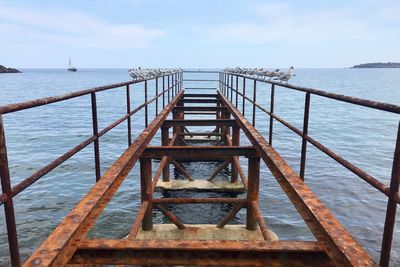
{"type": "Point", "coordinates": [128, 110]}
{"type": "Point", "coordinates": [146, 192]}
{"type": "Point", "coordinates": [198, 200]}
{"type": "Point", "coordinates": [96, 140]}
{"type": "Point", "coordinates": [8, 204]}
{"type": "Point", "coordinates": [271, 110]}
{"type": "Point", "coordinates": [157, 97]}
{"type": "Point", "coordinates": [244, 93]}
{"type": "Point", "coordinates": [349, 99]}
{"type": "Point", "coordinates": [168, 89]}
{"type": "Point", "coordinates": [163, 89]}
{"type": "Point", "coordinates": [305, 132]}
{"type": "Point", "coordinates": [391, 206]}
{"type": "Point", "coordinates": [254, 101]}
{"type": "Point", "coordinates": [252, 191]}
{"type": "Point", "coordinates": [237, 91]}
{"type": "Point", "coordinates": [146, 108]}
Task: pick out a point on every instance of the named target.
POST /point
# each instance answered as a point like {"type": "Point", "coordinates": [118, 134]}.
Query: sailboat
{"type": "Point", "coordinates": [70, 68]}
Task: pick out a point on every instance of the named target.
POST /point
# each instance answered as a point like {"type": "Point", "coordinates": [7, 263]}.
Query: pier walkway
{"type": "Point", "coordinates": [218, 140]}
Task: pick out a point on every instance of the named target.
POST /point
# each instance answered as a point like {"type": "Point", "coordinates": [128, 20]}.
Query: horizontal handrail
{"type": "Point", "coordinates": [348, 165]}
{"type": "Point", "coordinates": [53, 99]}
{"type": "Point", "coordinates": [344, 98]}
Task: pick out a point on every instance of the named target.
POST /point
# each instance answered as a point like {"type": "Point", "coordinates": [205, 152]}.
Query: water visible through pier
{"type": "Point", "coordinates": [359, 207]}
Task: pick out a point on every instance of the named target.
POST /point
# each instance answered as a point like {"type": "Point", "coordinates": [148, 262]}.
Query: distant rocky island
{"type": "Point", "coordinates": [378, 65]}
{"type": "Point", "coordinates": [8, 70]}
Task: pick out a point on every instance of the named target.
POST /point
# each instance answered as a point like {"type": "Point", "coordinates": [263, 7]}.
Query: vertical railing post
{"type": "Point", "coordinates": [252, 191]}
{"type": "Point", "coordinates": [172, 85]}
{"type": "Point", "coordinates": [235, 142]}
{"type": "Point", "coordinates": [391, 206]}
{"type": "Point", "coordinates": [168, 88]}
{"type": "Point", "coordinates": [228, 87]}
{"type": "Point", "coordinates": [165, 142]}
{"type": "Point", "coordinates": [146, 106]}
{"type": "Point", "coordinates": [254, 102]}
{"type": "Point", "coordinates": [8, 204]}
{"type": "Point", "coordinates": [244, 96]}
{"type": "Point", "coordinates": [146, 192]}
{"type": "Point", "coordinates": [128, 111]}
{"type": "Point", "coordinates": [237, 90]}
{"type": "Point", "coordinates": [271, 110]}
{"type": "Point", "coordinates": [305, 132]}
{"type": "Point", "coordinates": [231, 88]}
{"type": "Point", "coordinates": [156, 96]}
{"type": "Point", "coordinates": [96, 135]}
{"type": "Point", "coordinates": [163, 94]}
{"type": "Point", "coordinates": [181, 79]}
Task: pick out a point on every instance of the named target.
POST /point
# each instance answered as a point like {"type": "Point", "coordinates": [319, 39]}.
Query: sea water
{"type": "Point", "coordinates": [364, 136]}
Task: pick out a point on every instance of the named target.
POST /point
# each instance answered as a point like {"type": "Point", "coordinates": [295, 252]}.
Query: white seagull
{"type": "Point", "coordinates": [285, 77]}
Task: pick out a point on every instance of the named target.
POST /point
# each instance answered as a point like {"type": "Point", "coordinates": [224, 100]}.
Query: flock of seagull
{"type": "Point", "coordinates": [260, 73]}
{"type": "Point", "coordinates": [143, 74]}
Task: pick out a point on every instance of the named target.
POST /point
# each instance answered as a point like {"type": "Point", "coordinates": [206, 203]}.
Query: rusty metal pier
{"type": "Point", "coordinates": [184, 244]}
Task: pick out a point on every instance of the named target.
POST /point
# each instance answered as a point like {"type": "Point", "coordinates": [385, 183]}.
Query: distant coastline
{"type": "Point", "coordinates": [8, 70]}
{"type": "Point", "coordinates": [377, 65]}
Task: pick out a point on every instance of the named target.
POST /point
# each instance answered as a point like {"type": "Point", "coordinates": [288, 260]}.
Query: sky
{"type": "Point", "coordinates": [198, 34]}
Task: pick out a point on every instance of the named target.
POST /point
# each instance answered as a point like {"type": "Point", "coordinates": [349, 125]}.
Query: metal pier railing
{"type": "Point", "coordinates": [180, 94]}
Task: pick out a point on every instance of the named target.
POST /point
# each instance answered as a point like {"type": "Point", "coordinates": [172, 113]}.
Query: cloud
{"type": "Point", "coordinates": [71, 28]}
{"type": "Point", "coordinates": [280, 22]}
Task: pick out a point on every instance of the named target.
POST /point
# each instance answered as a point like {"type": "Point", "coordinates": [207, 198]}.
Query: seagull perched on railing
{"type": "Point", "coordinates": [285, 76]}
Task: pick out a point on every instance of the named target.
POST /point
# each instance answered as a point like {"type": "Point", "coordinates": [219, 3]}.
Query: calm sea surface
{"type": "Point", "coordinates": [363, 136]}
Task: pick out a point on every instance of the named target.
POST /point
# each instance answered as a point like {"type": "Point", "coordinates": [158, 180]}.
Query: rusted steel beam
{"type": "Point", "coordinates": [252, 192]}
{"type": "Point", "coordinates": [170, 216]}
{"type": "Point", "coordinates": [8, 200]}
{"type": "Point", "coordinates": [199, 201]}
{"type": "Point", "coordinates": [146, 192]}
{"type": "Point", "coordinates": [257, 214]}
{"type": "Point", "coordinates": [200, 134]}
{"type": "Point", "coordinates": [165, 142]}
{"type": "Point", "coordinates": [199, 108]}
{"type": "Point", "coordinates": [181, 169]}
{"type": "Point", "coordinates": [340, 245]}
{"type": "Point", "coordinates": [200, 113]}
{"type": "Point", "coordinates": [199, 100]}
{"type": "Point", "coordinates": [201, 253]}
{"type": "Point", "coordinates": [390, 218]}
{"type": "Point", "coordinates": [198, 151]}
{"type": "Point", "coordinates": [235, 142]}
{"type": "Point", "coordinates": [138, 220]}
{"type": "Point", "coordinates": [60, 246]}
{"type": "Point", "coordinates": [202, 122]}
{"type": "Point", "coordinates": [236, 163]}
{"type": "Point", "coordinates": [200, 95]}
{"type": "Point", "coordinates": [219, 169]}
{"type": "Point", "coordinates": [163, 163]}
{"type": "Point", "coordinates": [229, 217]}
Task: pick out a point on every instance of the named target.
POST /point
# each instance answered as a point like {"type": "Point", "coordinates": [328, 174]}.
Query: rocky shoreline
{"type": "Point", "coordinates": [8, 70]}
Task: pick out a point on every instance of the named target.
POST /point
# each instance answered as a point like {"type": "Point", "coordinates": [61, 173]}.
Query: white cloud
{"type": "Point", "coordinates": [72, 28]}
{"type": "Point", "coordinates": [277, 22]}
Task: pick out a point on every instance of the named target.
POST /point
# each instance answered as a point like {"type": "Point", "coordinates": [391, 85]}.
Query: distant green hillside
{"type": "Point", "coordinates": [378, 65]}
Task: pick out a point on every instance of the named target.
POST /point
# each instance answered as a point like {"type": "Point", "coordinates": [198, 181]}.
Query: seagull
{"type": "Point", "coordinates": [285, 77]}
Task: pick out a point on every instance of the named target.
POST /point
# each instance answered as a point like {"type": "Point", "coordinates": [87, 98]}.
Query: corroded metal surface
{"type": "Point", "coordinates": [340, 246]}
